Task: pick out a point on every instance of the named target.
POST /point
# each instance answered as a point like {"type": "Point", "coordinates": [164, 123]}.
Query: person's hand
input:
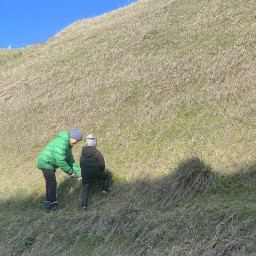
{"type": "Point", "coordinates": [72, 175]}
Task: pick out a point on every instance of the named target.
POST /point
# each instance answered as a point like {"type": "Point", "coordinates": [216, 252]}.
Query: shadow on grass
{"type": "Point", "coordinates": [191, 177]}
{"type": "Point", "coordinates": [69, 195]}
{"type": "Point", "coordinates": [144, 214]}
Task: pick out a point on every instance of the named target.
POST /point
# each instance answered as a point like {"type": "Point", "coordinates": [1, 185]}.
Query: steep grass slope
{"type": "Point", "coordinates": [155, 82]}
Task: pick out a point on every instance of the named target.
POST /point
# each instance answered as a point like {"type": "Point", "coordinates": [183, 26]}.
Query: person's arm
{"type": "Point", "coordinates": [60, 151]}
{"type": "Point", "coordinates": [72, 163]}
{"type": "Point", "coordinates": [82, 158]}
{"type": "Point", "coordinates": [101, 161]}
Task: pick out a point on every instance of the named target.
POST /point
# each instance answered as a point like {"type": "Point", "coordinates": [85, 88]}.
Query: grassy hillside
{"type": "Point", "coordinates": [157, 82]}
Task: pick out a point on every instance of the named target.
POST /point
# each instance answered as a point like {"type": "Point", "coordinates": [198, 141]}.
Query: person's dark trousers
{"type": "Point", "coordinates": [106, 183]}
{"type": "Point", "coordinates": [51, 185]}
{"type": "Point", "coordinates": [86, 191]}
{"type": "Point", "coordinates": [87, 186]}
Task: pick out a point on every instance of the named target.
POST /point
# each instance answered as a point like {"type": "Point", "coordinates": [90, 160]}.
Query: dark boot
{"type": "Point", "coordinates": [54, 206]}
{"type": "Point", "coordinates": [47, 206]}
{"type": "Point", "coordinates": [104, 191]}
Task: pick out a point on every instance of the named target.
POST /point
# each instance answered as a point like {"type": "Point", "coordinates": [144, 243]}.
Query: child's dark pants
{"type": "Point", "coordinates": [87, 186]}
{"type": "Point", "coordinates": [51, 185]}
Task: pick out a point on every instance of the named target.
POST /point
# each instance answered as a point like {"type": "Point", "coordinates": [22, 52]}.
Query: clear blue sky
{"type": "Point", "coordinates": [25, 22]}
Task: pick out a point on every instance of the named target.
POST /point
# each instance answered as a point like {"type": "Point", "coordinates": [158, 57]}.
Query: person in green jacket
{"type": "Point", "coordinates": [58, 153]}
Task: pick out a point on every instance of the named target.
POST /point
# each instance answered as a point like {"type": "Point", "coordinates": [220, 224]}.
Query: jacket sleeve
{"type": "Point", "coordinates": [82, 159]}
{"type": "Point", "coordinates": [101, 161]}
{"type": "Point", "coordinates": [73, 165]}
{"type": "Point", "coordinates": [60, 151]}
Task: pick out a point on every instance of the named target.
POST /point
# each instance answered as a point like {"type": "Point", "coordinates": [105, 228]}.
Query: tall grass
{"type": "Point", "coordinates": [144, 217]}
{"type": "Point", "coordinates": [156, 81]}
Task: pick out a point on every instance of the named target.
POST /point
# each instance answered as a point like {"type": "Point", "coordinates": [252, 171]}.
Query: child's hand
{"type": "Point", "coordinates": [72, 175]}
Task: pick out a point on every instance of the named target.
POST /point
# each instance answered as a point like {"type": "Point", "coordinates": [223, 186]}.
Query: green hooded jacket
{"type": "Point", "coordinates": [58, 153]}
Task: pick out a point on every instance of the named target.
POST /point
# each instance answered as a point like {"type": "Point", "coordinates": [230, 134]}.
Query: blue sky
{"type": "Point", "coordinates": [26, 22]}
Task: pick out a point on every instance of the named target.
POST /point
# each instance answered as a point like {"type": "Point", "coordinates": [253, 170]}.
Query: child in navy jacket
{"type": "Point", "coordinates": [92, 167]}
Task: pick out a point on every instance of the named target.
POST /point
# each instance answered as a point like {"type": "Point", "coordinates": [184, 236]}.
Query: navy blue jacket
{"type": "Point", "coordinates": [92, 164]}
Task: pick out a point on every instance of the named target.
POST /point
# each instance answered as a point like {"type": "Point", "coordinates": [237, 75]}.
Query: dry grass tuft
{"type": "Point", "coordinates": [191, 176]}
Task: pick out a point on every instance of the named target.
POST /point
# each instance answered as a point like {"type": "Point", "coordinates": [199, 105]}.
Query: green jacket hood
{"type": "Point", "coordinates": [64, 135]}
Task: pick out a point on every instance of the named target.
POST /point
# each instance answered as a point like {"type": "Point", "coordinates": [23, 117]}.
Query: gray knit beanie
{"type": "Point", "coordinates": [91, 140]}
{"type": "Point", "coordinates": [75, 134]}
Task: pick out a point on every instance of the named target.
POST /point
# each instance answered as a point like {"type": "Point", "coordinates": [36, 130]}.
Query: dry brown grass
{"type": "Point", "coordinates": [155, 81]}
{"type": "Point", "coordinates": [189, 177]}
